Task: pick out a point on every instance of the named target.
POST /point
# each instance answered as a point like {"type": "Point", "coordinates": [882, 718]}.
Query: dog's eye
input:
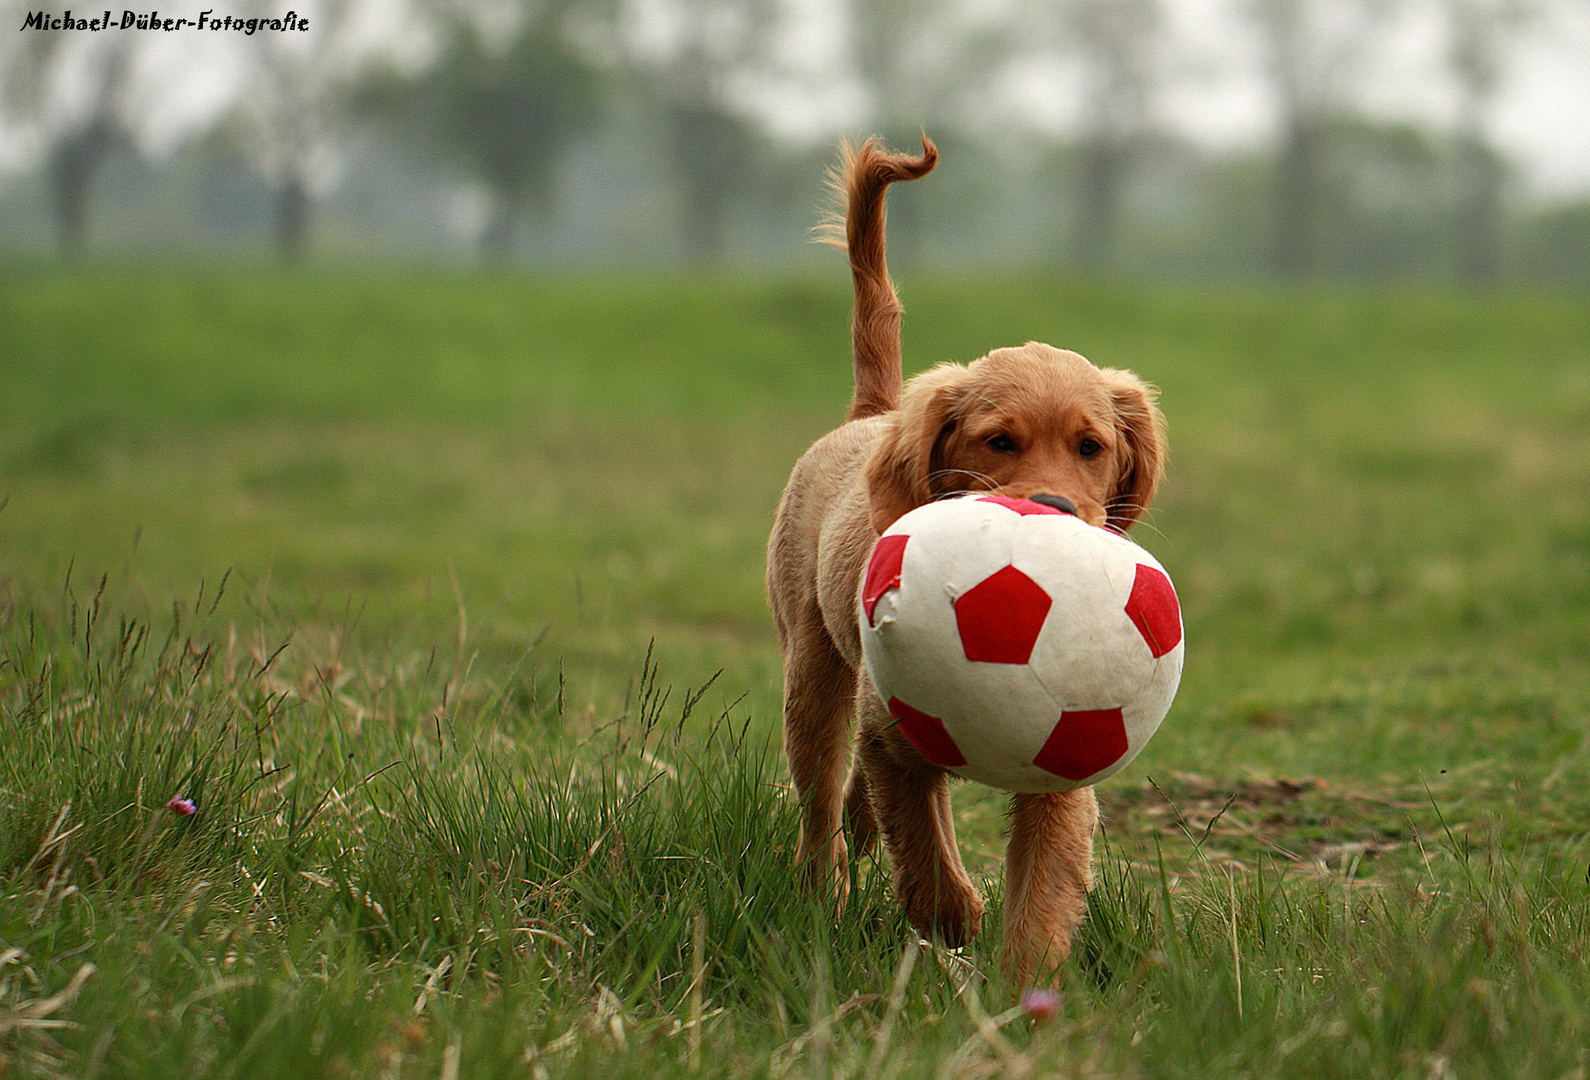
{"type": "Point", "coordinates": [1089, 448]}
{"type": "Point", "coordinates": [1003, 444]}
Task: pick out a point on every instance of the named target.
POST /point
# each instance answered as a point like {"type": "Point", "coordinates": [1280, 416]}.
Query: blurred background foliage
{"type": "Point", "coordinates": [1367, 139]}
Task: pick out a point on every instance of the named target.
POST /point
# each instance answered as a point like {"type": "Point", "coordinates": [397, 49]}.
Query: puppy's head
{"type": "Point", "coordinates": [1025, 421]}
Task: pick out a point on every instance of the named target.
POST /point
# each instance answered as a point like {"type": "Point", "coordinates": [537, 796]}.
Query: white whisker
{"type": "Point", "coordinates": [970, 474]}
{"type": "Point", "coordinates": [1142, 522]}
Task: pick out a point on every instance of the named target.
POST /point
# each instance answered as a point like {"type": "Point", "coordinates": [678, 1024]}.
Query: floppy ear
{"type": "Point", "coordinates": [1142, 429]}
{"type": "Point", "coordinates": [900, 471]}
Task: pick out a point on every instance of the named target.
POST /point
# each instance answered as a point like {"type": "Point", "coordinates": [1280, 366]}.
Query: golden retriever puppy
{"type": "Point", "coordinates": [1026, 421]}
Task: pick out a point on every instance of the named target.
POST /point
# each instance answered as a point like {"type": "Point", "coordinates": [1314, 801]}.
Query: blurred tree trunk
{"type": "Point", "coordinates": [1124, 55]}
{"type": "Point", "coordinates": [292, 220]}
{"type": "Point", "coordinates": [1106, 169]}
{"type": "Point", "coordinates": [710, 148]}
{"type": "Point", "coordinates": [1478, 31]}
{"type": "Point", "coordinates": [505, 108]}
{"type": "Point", "coordinates": [1479, 213]}
{"type": "Point", "coordinates": [707, 134]}
{"type": "Point", "coordinates": [1296, 194]}
{"type": "Point", "coordinates": [912, 60]}
{"type": "Point", "coordinates": [75, 152]}
{"type": "Point", "coordinates": [497, 234]}
{"type": "Point", "coordinates": [73, 163]}
{"type": "Point", "coordinates": [285, 126]}
{"type": "Point", "coordinates": [291, 121]}
{"type": "Point", "coordinates": [1314, 50]}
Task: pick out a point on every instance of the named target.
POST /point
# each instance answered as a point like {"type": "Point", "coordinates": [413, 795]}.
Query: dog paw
{"type": "Point", "coordinates": [1034, 960]}
{"type": "Point", "coordinates": [949, 915]}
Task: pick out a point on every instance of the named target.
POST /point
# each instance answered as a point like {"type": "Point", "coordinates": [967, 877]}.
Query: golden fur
{"type": "Point", "coordinates": [1022, 421]}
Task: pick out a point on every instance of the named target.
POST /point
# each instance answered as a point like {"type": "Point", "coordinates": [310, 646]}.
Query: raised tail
{"type": "Point", "coordinates": [862, 179]}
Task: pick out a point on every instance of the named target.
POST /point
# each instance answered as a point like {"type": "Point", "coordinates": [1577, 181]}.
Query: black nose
{"type": "Point", "coordinates": [1064, 505]}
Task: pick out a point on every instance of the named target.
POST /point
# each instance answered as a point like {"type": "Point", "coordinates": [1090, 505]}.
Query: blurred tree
{"type": "Point", "coordinates": [1383, 192]}
{"type": "Point", "coordinates": [694, 62]}
{"type": "Point", "coordinates": [291, 120]}
{"type": "Point", "coordinates": [1555, 246]}
{"type": "Point", "coordinates": [923, 64]}
{"type": "Point", "coordinates": [76, 157]}
{"type": "Point", "coordinates": [284, 128]}
{"type": "Point", "coordinates": [1124, 55]}
{"type": "Point", "coordinates": [1478, 33]}
{"type": "Point", "coordinates": [916, 58]}
{"type": "Point", "coordinates": [508, 111]}
{"type": "Point", "coordinates": [1314, 50]}
{"type": "Point", "coordinates": [75, 132]}
{"type": "Point", "coordinates": [711, 149]}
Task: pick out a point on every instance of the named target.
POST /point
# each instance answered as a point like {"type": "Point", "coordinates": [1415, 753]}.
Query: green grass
{"type": "Point", "coordinates": [441, 596]}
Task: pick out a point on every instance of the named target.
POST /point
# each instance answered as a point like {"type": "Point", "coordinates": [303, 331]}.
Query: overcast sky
{"type": "Point", "coordinates": [1541, 120]}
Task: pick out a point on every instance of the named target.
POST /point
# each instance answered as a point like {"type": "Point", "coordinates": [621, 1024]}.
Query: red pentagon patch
{"type": "Point", "coordinates": [927, 734]}
{"type": "Point", "coordinates": [1153, 607]}
{"type": "Point", "coordinates": [1082, 743]}
{"type": "Point", "coordinates": [1021, 506]}
{"type": "Point", "coordinates": [1000, 617]}
{"type": "Point", "coordinates": [883, 570]}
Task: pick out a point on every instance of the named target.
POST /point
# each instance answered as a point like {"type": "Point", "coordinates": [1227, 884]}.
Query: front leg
{"type": "Point", "coordinates": [910, 800]}
{"type": "Point", "coordinates": [1048, 872]}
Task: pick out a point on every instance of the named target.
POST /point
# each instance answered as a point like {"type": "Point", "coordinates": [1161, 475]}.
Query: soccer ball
{"type": "Point", "coordinates": [1017, 645]}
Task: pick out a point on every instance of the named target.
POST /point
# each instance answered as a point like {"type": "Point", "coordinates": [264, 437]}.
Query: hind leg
{"type": "Point", "coordinates": [860, 823]}
{"type": "Point", "coordinates": [818, 700]}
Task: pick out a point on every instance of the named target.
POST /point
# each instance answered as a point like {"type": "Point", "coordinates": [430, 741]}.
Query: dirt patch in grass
{"type": "Point", "coordinates": [1305, 821]}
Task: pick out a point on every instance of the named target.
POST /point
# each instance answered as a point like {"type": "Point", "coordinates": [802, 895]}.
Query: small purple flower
{"type": "Point", "coordinates": [1040, 1003]}
{"type": "Point", "coordinates": [181, 806]}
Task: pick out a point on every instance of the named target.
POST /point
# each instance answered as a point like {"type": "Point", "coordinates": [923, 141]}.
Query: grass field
{"type": "Point", "coordinates": [441, 599]}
